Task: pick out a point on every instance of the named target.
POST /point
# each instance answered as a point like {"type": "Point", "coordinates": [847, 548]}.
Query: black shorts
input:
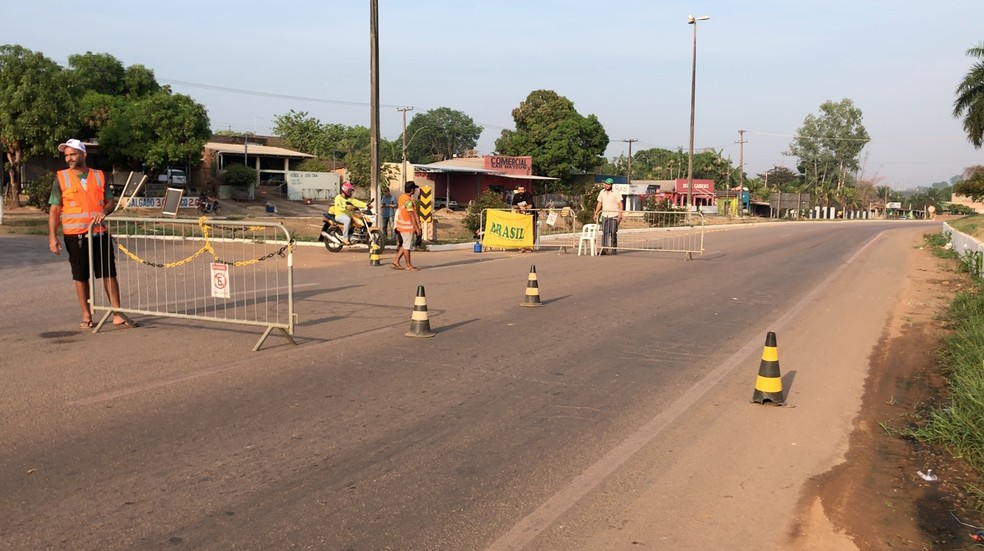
{"type": "Point", "coordinates": [102, 254]}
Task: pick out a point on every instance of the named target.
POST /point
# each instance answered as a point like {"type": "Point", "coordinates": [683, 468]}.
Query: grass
{"type": "Point", "coordinates": [25, 226]}
{"type": "Point", "coordinates": [972, 225]}
{"type": "Point", "coordinates": [958, 423]}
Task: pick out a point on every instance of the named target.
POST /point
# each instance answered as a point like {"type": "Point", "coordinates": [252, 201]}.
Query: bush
{"type": "Point", "coordinates": [589, 200]}
{"type": "Point", "coordinates": [488, 200]}
{"type": "Point", "coordinates": [239, 175]}
{"type": "Point", "coordinates": [39, 191]}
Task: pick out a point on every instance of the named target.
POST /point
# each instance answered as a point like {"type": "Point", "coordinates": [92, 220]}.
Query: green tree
{"type": "Point", "coordinates": [440, 134]}
{"type": "Point", "coordinates": [160, 129]}
{"type": "Point", "coordinates": [972, 184]}
{"type": "Point", "coordinates": [970, 98]}
{"type": "Point", "coordinates": [562, 142]}
{"type": "Point", "coordinates": [828, 146]}
{"type": "Point", "coordinates": [36, 107]}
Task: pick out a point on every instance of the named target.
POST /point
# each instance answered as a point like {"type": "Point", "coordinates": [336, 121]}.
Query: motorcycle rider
{"type": "Point", "coordinates": [208, 204]}
{"type": "Point", "coordinates": [342, 201]}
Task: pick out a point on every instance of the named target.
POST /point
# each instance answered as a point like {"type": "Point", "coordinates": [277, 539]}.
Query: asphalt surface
{"type": "Point", "coordinates": [175, 435]}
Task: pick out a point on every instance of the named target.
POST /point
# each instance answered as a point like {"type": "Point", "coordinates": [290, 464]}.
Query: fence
{"type": "Point", "coordinates": [664, 231]}
{"type": "Point", "coordinates": [969, 249]}
{"type": "Point", "coordinates": [217, 271]}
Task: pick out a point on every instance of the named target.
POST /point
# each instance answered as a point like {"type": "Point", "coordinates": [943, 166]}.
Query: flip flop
{"type": "Point", "coordinates": [86, 324]}
{"type": "Point", "coordinates": [125, 324]}
{"type": "Point", "coordinates": [413, 269]}
{"type": "Point", "coordinates": [395, 267]}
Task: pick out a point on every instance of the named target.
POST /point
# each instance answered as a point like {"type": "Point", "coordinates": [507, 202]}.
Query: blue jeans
{"type": "Point", "coordinates": [346, 221]}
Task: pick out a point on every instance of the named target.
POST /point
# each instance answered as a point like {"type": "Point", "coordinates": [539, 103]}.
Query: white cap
{"type": "Point", "coordinates": [73, 143]}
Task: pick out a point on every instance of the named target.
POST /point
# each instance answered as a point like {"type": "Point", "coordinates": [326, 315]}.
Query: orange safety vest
{"type": "Point", "coordinates": [80, 204]}
{"type": "Point", "coordinates": [404, 223]}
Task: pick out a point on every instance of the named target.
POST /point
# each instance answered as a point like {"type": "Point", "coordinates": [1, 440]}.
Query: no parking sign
{"type": "Point", "coordinates": [220, 280]}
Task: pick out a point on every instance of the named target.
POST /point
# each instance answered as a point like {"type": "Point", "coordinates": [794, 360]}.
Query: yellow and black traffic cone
{"type": "Point", "coordinates": [532, 290]}
{"type": "Point", "coordinates": [768, 385]}
{"type": "Point", "coordinates": [419, 324]}
{"type": "Point", "coordinates": [374, 254]}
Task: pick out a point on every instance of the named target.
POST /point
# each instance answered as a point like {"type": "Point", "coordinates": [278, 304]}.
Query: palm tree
{"type": "Point", "coordinates": [970, 98]}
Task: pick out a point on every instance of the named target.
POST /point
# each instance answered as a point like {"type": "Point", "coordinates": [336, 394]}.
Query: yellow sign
{"type": "Point", "coordinates": [508, 230]}
{"type": "Point", "coordinates": [425, 206]}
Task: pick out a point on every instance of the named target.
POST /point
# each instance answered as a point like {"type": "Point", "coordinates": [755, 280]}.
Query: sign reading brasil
{"type": "Point", "coordinates": [507, 230]}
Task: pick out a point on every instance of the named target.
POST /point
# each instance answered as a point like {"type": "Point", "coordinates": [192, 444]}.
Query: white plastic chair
{"type": "Point", "coordinates": [589, 233]}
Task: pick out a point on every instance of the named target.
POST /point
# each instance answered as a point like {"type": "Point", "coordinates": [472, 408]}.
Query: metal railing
{"type": "Point", "coordinates": [662, 231]}
{"type": "Point", "coordinates": [203, 270]}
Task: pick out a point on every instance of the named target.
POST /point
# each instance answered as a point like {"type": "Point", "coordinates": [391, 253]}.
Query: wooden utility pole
{"type": "Point", "coordinates": [629, 169]}
{"type": "Point", "coordinates": [374, 101]}
{"type": "Point", "coordinates": [404, 110]}
{"type": "Point", "coordinates": [741, 168]}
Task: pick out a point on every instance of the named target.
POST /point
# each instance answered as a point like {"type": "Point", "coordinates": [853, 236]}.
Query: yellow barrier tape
{"type": "Point", "coordinates": [208, 247]}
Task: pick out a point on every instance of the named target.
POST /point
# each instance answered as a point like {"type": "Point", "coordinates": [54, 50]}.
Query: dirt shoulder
{"type": "Point", "coordinates": [877, 497]}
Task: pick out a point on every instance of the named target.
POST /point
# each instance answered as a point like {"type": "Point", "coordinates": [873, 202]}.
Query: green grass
{"type": "Point", "coordinates": [958, 423]}
{"type": "Point", "coordinates": [25, 226]}
{"type": "Point", "coordinates": [972, 225]}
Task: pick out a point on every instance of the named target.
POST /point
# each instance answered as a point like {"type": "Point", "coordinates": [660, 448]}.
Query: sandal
{"type": "Point", "coordinates": [396, 266]}
{"type": "Point", "coordinates": [412, 268]}
{"type": "Point", "coordinates": [86, 324]}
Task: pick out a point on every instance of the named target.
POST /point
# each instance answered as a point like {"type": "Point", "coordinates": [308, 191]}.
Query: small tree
{"type": "Point", "coordinates": [239, 175]}
{"type": "Point", "coordinates": [488, 200]}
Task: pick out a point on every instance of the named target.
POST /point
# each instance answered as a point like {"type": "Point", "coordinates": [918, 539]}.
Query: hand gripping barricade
{"type": "Point", "coordinates": [204, 270]}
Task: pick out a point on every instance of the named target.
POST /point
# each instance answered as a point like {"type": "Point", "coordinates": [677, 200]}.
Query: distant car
{"type": "Point", "coordinates": [173, 177]}
{"type": "Point", "coordinates": [443, 203]}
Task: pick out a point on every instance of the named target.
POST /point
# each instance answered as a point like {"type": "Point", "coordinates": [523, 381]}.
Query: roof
{"type": "Point", "coordinates": [254, 149]}
{"type": "Point", "coordinates": [472, 165]}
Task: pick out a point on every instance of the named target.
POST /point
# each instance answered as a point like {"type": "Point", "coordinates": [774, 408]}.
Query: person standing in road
{"type": "Point", "coordinates": [522, 202]}
{"type": "Point", "coordinates": [407, 227]}
{"type": "Point", "coordinates": [80, 197]}
{"type": "Point", "coordinates": [388, 208]}
{"type": "Point", "coordinates": [610, 208]}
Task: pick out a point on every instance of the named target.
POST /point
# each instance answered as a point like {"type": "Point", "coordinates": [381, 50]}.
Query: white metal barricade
{"type": "Point", "coordinates": [204, 270]}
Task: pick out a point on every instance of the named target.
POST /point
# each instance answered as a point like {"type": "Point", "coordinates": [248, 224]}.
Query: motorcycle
{"type": "Point", "coordinates": [363, 231]}
{"type": "Point", "coordinates": [209, 206]}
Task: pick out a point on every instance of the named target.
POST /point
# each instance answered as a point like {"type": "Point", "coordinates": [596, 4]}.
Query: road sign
{"type": "Point", "coordinates": [220, 280]}
{"type": "Point", "coordinates": [426, 204]}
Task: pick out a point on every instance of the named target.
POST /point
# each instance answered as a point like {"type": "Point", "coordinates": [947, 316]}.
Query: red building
{"type": "Point", "coordinates": [703, 193]}
{"type": "Point", "coordinates": [465, 179]}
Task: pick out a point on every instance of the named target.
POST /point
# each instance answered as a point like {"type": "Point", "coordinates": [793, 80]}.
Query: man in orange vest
{"type": "Point", "coordinates": [407, 226]}
{"type": "Point", "coordinates": [80, 197]}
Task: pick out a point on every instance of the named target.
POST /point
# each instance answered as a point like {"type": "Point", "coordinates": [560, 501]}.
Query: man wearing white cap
{"type": "Point", "coordinates": [80, 197]}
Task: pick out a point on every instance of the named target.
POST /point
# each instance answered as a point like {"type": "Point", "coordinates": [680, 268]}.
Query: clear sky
{"type": "Point", "coordinates": [762, 66]}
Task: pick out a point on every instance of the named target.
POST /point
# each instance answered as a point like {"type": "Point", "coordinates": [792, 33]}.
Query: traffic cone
{"type": "Point", "coordinates": [768, 385]}
{"type": "Point", "coordinates": [419, 324]}
{"type": "Point", "coordinates": [532, 290]}
{"type": "Point", "coordinates": [374, 254]}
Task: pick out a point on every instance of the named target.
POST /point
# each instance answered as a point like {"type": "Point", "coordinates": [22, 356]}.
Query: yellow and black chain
{"type": "Point", "coordinates": [208, 247]}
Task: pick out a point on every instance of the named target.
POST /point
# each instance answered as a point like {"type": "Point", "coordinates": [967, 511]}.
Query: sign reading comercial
{"type": "Point", "coordinates": [510, 165]}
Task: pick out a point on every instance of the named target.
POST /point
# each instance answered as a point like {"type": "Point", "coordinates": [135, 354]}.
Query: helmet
{"type": "Point", "coordinates": [347, 188]}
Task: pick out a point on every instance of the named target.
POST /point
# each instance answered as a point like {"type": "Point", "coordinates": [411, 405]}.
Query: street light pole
{"type": "Point", "coordinates": [404, 110]}
{"type": "Point", "coordinates": [691, 20]}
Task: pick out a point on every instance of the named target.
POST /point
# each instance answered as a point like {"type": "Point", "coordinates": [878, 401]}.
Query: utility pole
{"type": "Point", "coordinates": [374, 100]}
{"type": "Point", "coordinates": [741, 168]}
{"type": "Point", "coordinates": [404, 110]}
{"type": "Point", "coordinates": [629, 170]}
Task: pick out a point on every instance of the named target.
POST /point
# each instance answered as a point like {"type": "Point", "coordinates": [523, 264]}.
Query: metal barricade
{"type": "Point", "coordinates": [205, 270]}
{"type": "Point", "coordinates": [662, 231]}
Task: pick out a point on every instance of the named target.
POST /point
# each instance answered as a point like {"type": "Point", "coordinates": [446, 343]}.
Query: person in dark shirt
{"type": "Point", "coordinates": [522, 201]}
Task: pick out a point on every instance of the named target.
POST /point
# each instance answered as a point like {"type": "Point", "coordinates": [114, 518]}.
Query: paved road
{"type": "Point", "coordinates": [499, 432]}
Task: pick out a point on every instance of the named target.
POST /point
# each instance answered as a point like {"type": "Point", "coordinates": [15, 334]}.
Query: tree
{"type": "Point", "coordinates": [972, 184]}
{"type": "Point", "coordinates": [36, 107]}
{"type": "Point", "coordinates": [562, 142]}
{"type": "Point", "coordinates": [348, 145]}
{"type": "Point", "coordinates": [440, 134]}
{"type": "Point", "coordinates": [828, 146]}
{"type": "Point", "coordinates": [970, 98]}
{"type": "Point", "coordinates": [160, 129]}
